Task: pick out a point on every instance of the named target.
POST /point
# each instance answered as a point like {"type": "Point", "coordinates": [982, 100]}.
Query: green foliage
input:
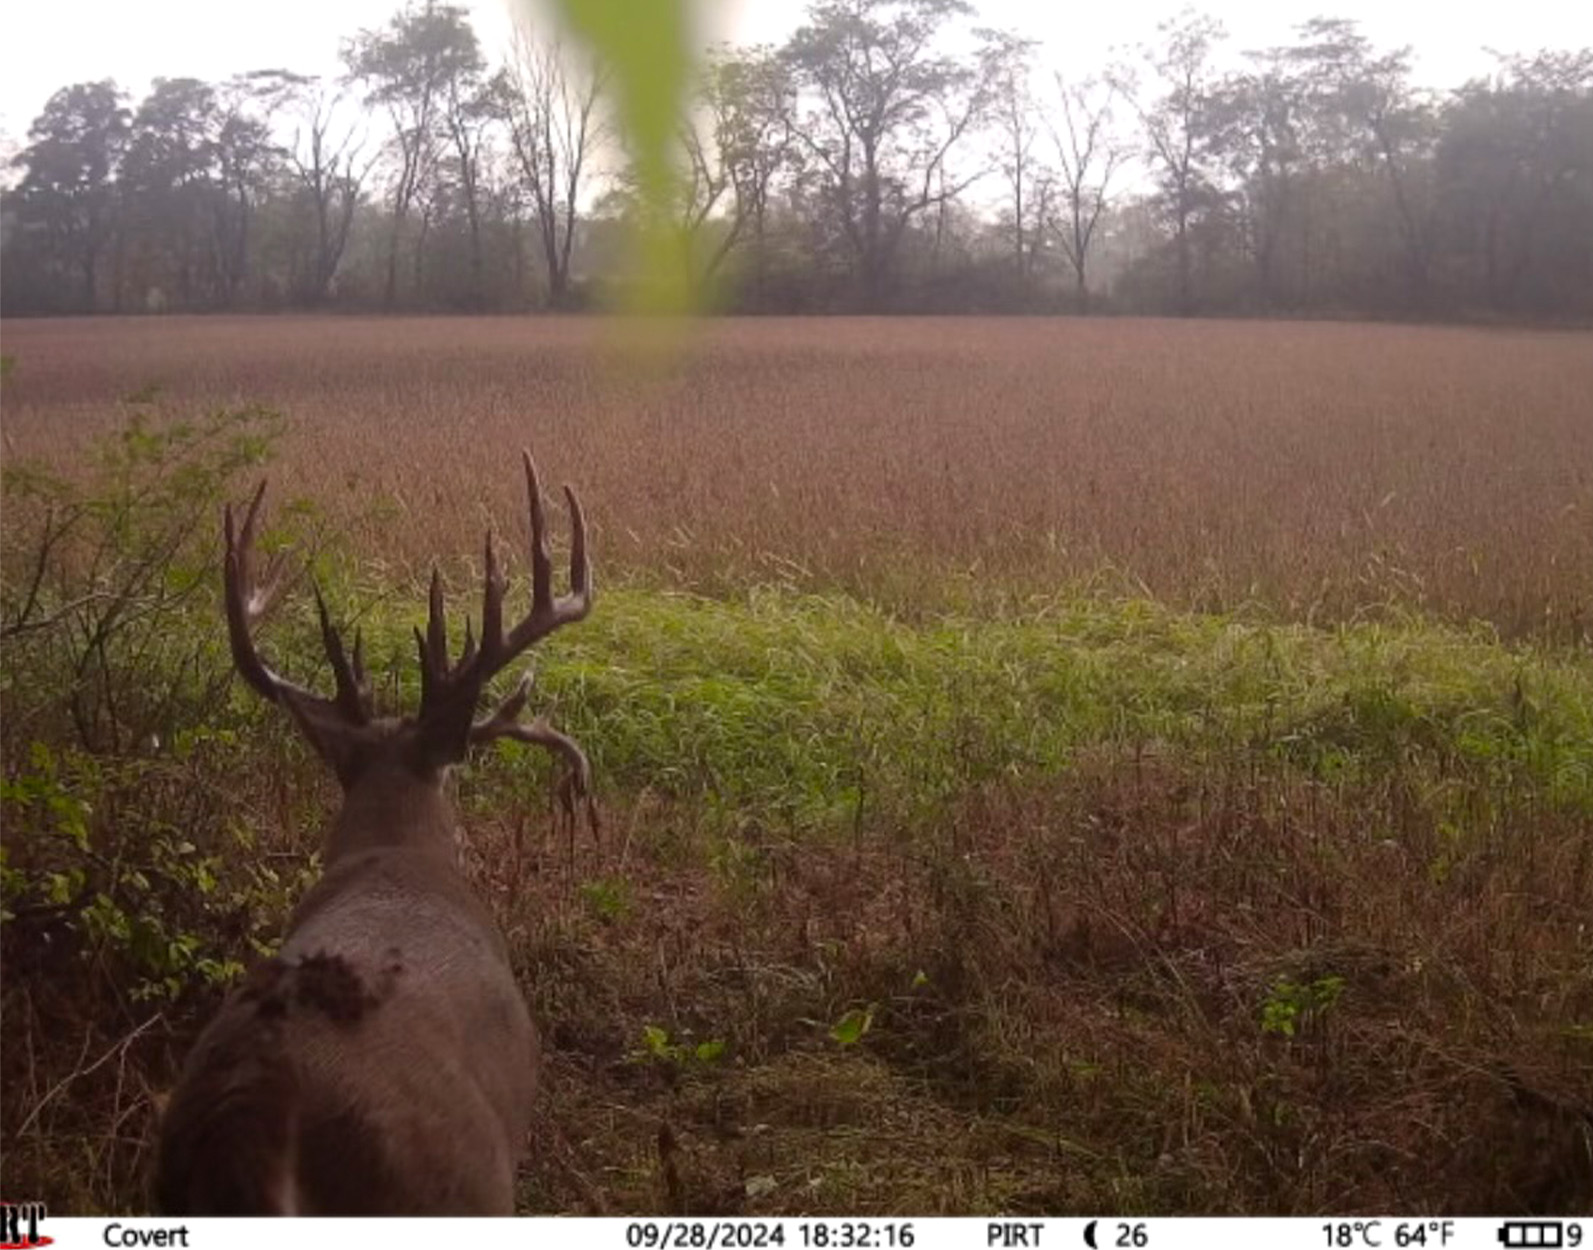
{"type": "Point", "coordinates": [852, 1027]}
{"type": "Point", "coordinates": [137, 864]}
{"type": "Point", "coordinates": [738, 869]}
{"type": "Point", "coordinates": [609, 898]}
{"type": "Point", "coordinates": [819, 715]}
{"type": "Point", "coordinates": [1291, 1006]}
{"type": "Point", "coordinates": [658, 1048]}
{"type": "Point", "coordinates": [105, 574]}
{"type": "Point", "coordinates": [115, 673]}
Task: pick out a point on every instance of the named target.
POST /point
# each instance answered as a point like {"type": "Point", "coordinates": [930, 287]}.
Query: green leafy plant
{"type": "Point", "coordinates": [853, 1026]}
{"type": "Point", "coordinates": [658, 1047]}
{"type": "Point", "coordinates": [115, 674]}
{"type": "Point", "coordinates": [102, 574]}
{"type": "Point", "coordinates": [1293, 1006]}
{"type": "Point", "coordinates": [609, 898]}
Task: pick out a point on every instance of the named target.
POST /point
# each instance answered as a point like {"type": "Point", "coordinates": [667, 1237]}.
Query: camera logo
{"type": "Point", "coordinates": [19, 1225]}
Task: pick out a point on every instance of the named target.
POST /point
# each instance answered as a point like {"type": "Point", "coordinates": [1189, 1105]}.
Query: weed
{"type": "Point", "coordinates": [1291, 1007]}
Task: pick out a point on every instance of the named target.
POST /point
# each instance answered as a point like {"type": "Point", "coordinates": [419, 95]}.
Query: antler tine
{"type": "Point", "coordinates": [246, 602]}
{"type": "Point", "coordinates": [449, 691]}
{"type": "Point", "coordinates": [547, 613]}
{"type": "Point", "coordinates": [541, 561]}
{"type": "Point", "coordinates": [353, 700]}
{"type": "Point", "coordinates": [257, 598]}
{"type": "Point", "coordinates": [437, 624]}
{"type": "Point", "coordinates": [235, 573]}
{"type": "Point", "coordinates": [491, 602]}
{"type": "Point", "coordinates": [432, 645]}
{"type": "Point", "coordinates": [580, 563]}
{"type": "Point", "coordinates": [504, 723]}
{"type": "Point", "coordinates": [503, 716]}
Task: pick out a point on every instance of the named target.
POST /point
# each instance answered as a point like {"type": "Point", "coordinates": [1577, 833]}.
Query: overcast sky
{"type": "Point", "coordinates": [48, 45]}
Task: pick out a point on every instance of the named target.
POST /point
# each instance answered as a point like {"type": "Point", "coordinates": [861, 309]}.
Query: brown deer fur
{"type": "Point", "coordinates": [384, 1062]}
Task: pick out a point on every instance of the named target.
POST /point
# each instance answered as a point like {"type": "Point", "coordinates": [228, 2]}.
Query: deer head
{"type": "Point", "coordinates": [384, 1061]}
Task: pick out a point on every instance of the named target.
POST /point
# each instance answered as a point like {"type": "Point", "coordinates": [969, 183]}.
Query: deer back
{"type": "Point", "coordinates": [384, 1061]}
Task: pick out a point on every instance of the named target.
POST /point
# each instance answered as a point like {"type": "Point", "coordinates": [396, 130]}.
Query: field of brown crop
{"type": "Point", "coordinates": [1321, 470]}
{"type": "Point", "coordinates": [1078, 782]}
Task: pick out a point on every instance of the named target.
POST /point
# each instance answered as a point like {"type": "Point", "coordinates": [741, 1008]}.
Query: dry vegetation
{"type": "Point", "coordinates": [1079, 782]}
{"type": "Point", "coordinates": [1323, 470]}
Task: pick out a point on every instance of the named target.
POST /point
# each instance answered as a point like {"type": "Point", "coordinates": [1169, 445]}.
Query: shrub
{"type": "Point", "coordinates": [115, 678]}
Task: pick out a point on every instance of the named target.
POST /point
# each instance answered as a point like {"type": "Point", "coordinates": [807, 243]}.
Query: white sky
{"type": "Point", "coordinates": [50, 43]}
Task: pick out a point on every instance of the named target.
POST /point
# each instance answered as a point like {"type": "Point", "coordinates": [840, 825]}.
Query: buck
{"type": "Point", "coordinates": [384, 1062]}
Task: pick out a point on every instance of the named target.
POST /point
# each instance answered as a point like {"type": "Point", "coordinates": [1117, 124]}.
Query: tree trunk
{"type": "Point", "coordinates": [1186, 301]}
{"type": "Point", "coordinates": [418, 269]}
{"type": "Point", "coordinates": [871, 262]}
{"type": "Point", "coordinates": [90, 295]}
{"type": "Point", "coordinates": [478, 292]}
{"type": "Point", "coordinates": [558, 270]}
{"type": "Point", "coordinates": [390, 298]}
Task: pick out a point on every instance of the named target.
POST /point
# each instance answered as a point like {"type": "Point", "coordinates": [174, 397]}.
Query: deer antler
{"type": "Point", "coordinates": [576, 783]}
{"type": "Point", "coordinates": [248, 599]}
{"type": "Point", "coordinates": [451, 691]}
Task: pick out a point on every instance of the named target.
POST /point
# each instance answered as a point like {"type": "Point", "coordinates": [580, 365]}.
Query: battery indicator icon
{"type": "Point", "coordinates": [1532, 1234]}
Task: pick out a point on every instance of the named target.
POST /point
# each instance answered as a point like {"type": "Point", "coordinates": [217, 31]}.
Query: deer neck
{"type": "Point", "coordinates": [390, 808]}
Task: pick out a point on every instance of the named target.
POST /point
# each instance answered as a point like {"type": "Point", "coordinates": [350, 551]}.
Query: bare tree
{"type": "Point", "coordinates": [551, 108]}
{"type": "Point", "coordinates": [328, 162]}
{"type": "Point", "coordinates": [739, 134]}
{"type": "Point", "coordinates": [1178, 125]}
{"type": "Point", "coordinates": [699, 192]}
{"type": "Point", "coordinates": [1006, 65]}
{"type": "Point", "coordinates": [469, 109]}
{"type": "Point", "coordinates": [1088, 156]}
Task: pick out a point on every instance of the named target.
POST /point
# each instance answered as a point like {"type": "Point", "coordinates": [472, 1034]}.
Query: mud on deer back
{"type": "Point", "coordinates": [384, 1062]}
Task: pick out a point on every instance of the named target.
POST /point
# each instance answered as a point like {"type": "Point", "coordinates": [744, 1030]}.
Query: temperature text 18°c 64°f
{"type": "Point", "coordinates": [1374, 1234]}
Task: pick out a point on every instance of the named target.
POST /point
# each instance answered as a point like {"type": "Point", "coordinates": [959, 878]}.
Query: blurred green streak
{"type": "Point", "coordinates": [645, 47]}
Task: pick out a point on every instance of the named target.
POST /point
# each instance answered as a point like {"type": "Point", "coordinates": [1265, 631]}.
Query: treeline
{"type": "Point", "coordinates": [862, 166]}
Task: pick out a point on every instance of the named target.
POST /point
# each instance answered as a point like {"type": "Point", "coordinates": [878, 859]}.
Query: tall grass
{"type": "Point", "coordinates": [1142, 910]}
{"type": "Point", "coordinates": [924, 883]}
{"type": "Point", "coordinates": [1324, 472]}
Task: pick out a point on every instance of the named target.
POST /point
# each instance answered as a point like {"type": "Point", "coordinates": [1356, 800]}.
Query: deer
{"type": "Point", "coordinates": [384, 1061]}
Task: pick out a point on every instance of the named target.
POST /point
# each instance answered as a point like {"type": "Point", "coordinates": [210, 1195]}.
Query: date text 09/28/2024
{"type": "Point", "coordinates": [774, 1235]}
